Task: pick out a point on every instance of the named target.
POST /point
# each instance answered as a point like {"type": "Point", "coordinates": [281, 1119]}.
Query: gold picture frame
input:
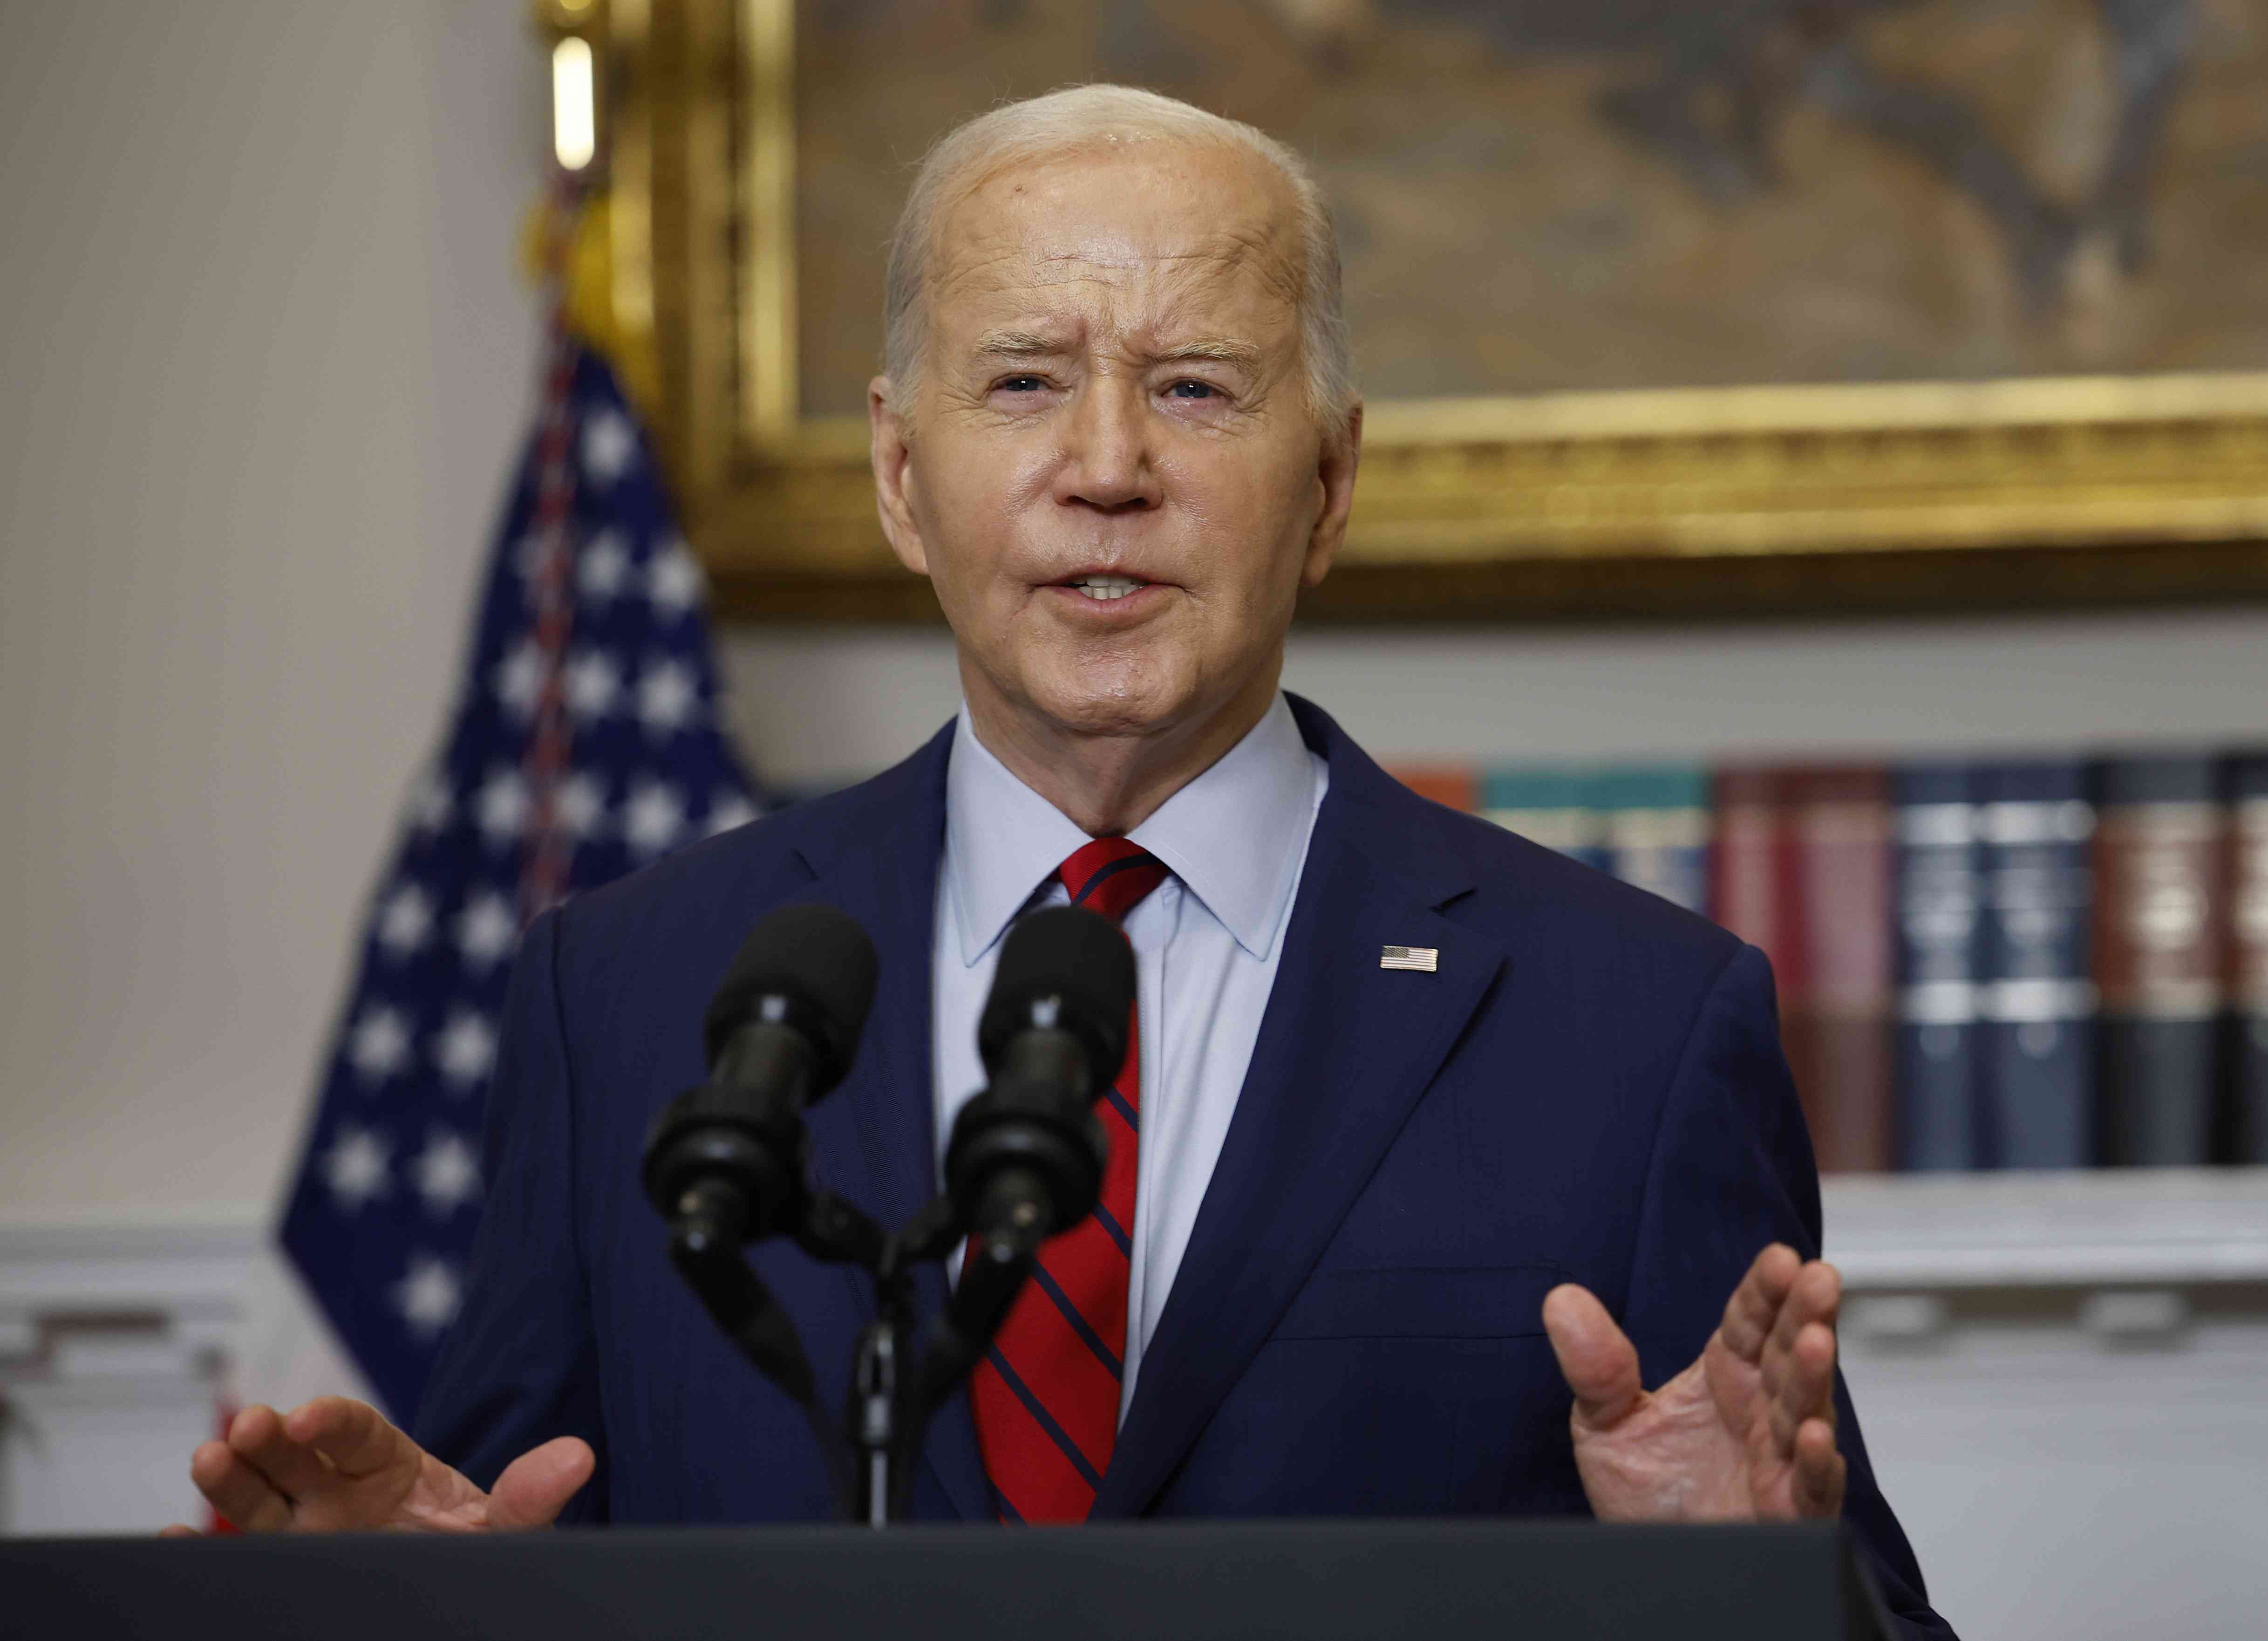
{"type": "Point", "coordinates": [1713, 502]}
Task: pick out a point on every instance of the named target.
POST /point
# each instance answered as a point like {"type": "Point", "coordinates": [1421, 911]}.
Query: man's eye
{"type": "Point", "coordinates": [1019, 384]}
{"type": "Point", "coordinates": [1193, 390]}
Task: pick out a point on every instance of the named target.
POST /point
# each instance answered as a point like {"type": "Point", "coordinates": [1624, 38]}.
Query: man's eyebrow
{"type": "Point", "coordinates": [1219, 349]}
{"type": "Point", "coordinates": [1017, 344]}
{"type": "Point", "coordinates": [1028, 344]}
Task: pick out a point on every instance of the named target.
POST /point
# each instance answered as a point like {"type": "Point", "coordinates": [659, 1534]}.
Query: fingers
{"type": "Point", "coordinates": [1819, 1471]}
{"type": "Point", "coordinates": [1814, 1297]}
{"type": "Point", "coordinates": [294, 1469]}
{"type": "Point", "coordinates": [1755, 1307]}
{"type": "Point", "coordinates": [179, 1530]}
{"type": "Point", "coordinates": [1802, 1388]}
{"type": "Point", "coordinates": [353, 1436]}
{"type": "Point", "coordinates": [238, 1492]}
{"type": "Point", "coordinates": [1781, 1322]}
{"type": "Point", "coordinates": [535, 1487]}
{"type": "Point", "coordinates": [1797, 1369]}
{"type": "Point", "coordinates": [1597, 1358]}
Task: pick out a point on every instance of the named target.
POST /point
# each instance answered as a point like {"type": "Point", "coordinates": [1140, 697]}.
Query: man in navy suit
{"type": "Point", "coordinates": [1435, 1150]}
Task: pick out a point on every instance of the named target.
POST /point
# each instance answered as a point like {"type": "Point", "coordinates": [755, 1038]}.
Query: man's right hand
{"type": "Point", "coordinates": [337, 1465]}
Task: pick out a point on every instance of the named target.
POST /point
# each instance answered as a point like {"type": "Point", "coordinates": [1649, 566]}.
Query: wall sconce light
{"type": "Point", "coordinates": [574, 103]}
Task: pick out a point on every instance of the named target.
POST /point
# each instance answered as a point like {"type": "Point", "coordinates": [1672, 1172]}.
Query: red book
{"type": "Point", "coordinates": [1752, 868]}
{"type": "Point", "coordinates": [1801, 869]}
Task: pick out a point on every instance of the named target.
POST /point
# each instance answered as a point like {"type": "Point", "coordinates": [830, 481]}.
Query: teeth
{"type": "Point", "coordinates": [1106, 587]}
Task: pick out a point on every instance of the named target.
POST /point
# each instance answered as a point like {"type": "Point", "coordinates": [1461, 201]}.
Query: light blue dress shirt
{"type": "Point", "coordinates": [1206, 942]}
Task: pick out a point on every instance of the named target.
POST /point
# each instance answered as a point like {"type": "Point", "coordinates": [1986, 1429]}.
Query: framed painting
{"type": "Point", "coordinates": [1661, 307]}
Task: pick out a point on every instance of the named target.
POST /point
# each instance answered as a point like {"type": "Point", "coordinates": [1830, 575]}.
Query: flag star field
{"type": "Point", "coordinates": [382, 1213]}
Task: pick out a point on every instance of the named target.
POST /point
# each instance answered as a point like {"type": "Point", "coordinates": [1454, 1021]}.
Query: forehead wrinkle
{"type": "Point", "coordinates": [984, 256]}
{"type": "Point", "coordinates": [955, 272]}
{"type": "Point", "coordinates": [1212, 277]}
{"type": "Point", "coordinates": [1225, 252]}
{"type": "Point", "coordinates": [1258, 246]}
{"type": "Point", "coordinates": [967, 250]}
{"type": "Point", "coordinates": [1201, 290]}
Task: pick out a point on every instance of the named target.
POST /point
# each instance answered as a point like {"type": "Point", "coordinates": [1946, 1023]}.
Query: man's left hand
{"type": "Point", "coordinates": [1747, 1433]}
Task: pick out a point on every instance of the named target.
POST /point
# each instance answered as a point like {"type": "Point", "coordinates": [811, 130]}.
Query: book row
{"type": "Point", "coordinates": [2044, 964]}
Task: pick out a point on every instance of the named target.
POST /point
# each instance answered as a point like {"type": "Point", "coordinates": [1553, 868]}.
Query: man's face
{"type": "Point", "coordinates": [1111, 471]}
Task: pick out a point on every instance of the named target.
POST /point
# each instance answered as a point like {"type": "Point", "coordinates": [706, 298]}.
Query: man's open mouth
{"type": "Point", "coordinates": [1104, 587]}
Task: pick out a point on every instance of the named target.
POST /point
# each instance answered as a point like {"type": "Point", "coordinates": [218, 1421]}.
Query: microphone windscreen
{"type": "Point", "coordinates": [820, 960]}
{"type": "Point", "coordinates": [1078, 958]}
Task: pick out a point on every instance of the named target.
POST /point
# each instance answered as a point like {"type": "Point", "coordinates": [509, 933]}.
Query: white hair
{"type": "Point", "coordinates": [1083, 117]}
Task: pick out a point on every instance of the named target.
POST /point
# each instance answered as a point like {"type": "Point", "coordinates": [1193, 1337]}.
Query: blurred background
{"type": "Point", "coordinates": [275, 367]}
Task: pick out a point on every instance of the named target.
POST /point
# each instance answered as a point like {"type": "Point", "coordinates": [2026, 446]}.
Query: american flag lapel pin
{"type": "Point", "coordinates": [1411, 959]}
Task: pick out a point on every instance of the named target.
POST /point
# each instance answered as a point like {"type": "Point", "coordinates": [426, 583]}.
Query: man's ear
{"type": "Point", "coordinates": [890, 448]}
{"type": "Point", "coordinates": [1334, 471]}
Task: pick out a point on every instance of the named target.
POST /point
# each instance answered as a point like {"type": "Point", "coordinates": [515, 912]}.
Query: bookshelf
{"type": "Point", "coordinates": [2033, 963]}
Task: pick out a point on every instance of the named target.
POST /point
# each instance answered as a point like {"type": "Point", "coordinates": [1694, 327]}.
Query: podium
{"type": "Point", "coordinates": [1461, 1580]}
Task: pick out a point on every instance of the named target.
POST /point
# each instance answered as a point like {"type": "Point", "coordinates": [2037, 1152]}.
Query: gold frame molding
{"type": "Point", "coordinates": [1683, 503]}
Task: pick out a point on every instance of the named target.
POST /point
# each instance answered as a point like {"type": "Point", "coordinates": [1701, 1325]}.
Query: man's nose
{"type": "Point", "coordinates": [1106, 456]}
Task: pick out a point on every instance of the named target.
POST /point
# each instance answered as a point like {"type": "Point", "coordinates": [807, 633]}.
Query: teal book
{"type": "Point", "coordinates": [1653, 819]}
{"type": "Point", "coordinates": [1553, 805]}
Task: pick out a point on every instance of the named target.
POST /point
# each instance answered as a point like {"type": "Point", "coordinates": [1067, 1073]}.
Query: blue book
{"type": "Point", "coordinates": [1938, 885]}
{"type": "Point", "coordinates": [2246, 1059]}
{"type": "Point", "coordinates": [1655, 820]}
{"type": "Point", "coordinates": [2037, 1033]}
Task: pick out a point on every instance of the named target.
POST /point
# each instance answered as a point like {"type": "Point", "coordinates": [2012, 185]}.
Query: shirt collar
{"type": "Point", "coordinates": [1234, 836]}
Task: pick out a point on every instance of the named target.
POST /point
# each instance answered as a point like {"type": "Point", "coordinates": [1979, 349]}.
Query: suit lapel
{"type": "Point", "coordinates": [873, 1141]}
{"type": "Point", "coordinates": [1346, 1051]}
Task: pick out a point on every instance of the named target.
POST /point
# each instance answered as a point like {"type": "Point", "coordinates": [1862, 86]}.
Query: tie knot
{"type": "Point", "coordinates": [1110, 874]}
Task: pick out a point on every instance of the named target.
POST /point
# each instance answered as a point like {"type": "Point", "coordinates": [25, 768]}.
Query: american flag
{"type": "Point", "coordinates": [585, 744]}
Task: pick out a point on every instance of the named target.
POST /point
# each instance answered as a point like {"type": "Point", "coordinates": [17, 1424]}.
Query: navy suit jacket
{"type": "Point", "coordinates": [1589, 1089]}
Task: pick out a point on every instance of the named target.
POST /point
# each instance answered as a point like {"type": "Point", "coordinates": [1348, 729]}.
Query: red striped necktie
{"type": "Point", "coordinates": [1046, 1395]}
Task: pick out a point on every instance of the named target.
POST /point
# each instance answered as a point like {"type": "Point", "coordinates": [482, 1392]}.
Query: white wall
{"type": "Point", "coordinates": [264, 359]}
{"type": "Point", "coordinates": [819, 706]}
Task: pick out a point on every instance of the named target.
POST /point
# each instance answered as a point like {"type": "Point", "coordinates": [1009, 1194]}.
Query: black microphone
{"type": "Point", "coordinates": [1026, 1155]}
{"type": "Point", "coordinates": [726, 1159]}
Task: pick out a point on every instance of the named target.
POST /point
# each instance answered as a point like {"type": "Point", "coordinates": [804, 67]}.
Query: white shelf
{"type": "Point", "coordinates": [1886, 1232]}
{"type": "Point", "coordinates": [2164, 1228]}
{"type": "Point", "coordinates": [77, 1294]}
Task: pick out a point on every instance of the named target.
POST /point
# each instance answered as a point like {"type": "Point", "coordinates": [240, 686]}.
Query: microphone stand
{"type": "Point", "coordinates": [893, 1392]}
